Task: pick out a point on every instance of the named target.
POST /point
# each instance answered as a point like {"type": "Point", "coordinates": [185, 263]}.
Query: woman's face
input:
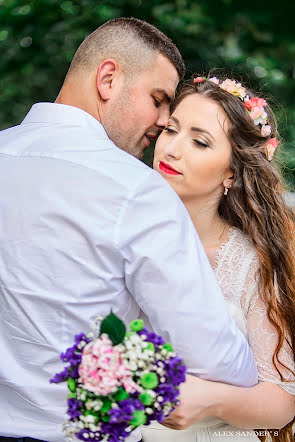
{"type": "Point", "coordinates": [193, 152]}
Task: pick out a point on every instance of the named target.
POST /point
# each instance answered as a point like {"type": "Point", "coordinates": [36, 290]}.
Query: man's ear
{"type": "Point", "coordinates": [107, 72]}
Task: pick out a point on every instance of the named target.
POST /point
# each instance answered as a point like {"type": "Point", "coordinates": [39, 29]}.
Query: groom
{"type": "Point", "coordinates": [86, 227]}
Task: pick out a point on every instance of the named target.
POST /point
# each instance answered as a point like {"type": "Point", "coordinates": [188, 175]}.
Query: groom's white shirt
{"type": "Point", "coordinates": [84, 227]}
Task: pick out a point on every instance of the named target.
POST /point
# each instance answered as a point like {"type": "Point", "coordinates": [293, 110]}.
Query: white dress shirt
{"type": "Point", "coordinates": [85, 227]}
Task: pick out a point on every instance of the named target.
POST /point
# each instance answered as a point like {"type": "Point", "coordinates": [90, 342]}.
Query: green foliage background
{"type": "Point", "coordinates": [253, 40]}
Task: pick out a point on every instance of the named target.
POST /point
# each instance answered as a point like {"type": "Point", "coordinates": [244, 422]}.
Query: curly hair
{"type": "Point", "coordinates": [256, 205]}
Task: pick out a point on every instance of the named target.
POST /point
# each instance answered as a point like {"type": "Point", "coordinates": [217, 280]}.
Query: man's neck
{"type": "Point", "coordinates": [71, 95]}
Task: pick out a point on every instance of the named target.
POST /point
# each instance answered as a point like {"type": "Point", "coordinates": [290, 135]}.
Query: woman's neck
{"type": "Point", "coordinates": [211, 228]}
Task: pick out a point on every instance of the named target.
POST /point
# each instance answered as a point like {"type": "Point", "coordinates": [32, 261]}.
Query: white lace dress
{"type": "Point", "coordinates": [236, 271]}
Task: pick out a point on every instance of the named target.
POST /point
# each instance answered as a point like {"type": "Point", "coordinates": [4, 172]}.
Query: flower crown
{"type": "Point", "coordinates": [254, 106]}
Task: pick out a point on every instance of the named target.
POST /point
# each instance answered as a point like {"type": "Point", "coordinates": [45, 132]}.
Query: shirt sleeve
{"type": "Point", "coordinates": [168, 273]}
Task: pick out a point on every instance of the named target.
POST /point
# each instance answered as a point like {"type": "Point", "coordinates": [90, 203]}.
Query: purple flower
{"type": "Point", "coordinates": [124, 411]}
{"type": "Point", "coordinates": [80, 435]}
{"type": "Point", "coordinates": [72, 356]}
{"type": "Point", "coordinates": [60, 377]}
{"type": "Point", "coordinates": [81, 337]}
{"type": "Point", "coordinates": [152, 337]}
{"type": "Point", "coordinates": [168, 392]}
{"type": "Point", "coordinates": [175, 370]}
{"type": "Point", "coordinates": [74, 408]}
{"type": "Point", "coordinates": [115, 431]}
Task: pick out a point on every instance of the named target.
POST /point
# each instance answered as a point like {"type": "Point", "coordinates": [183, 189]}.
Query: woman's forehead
{"type": "Point", "coordinates": [197, 109]}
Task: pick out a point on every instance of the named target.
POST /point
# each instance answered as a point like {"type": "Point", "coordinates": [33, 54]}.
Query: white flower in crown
{"type": "Point", "coordinates": [214, 80]}
{"type": "Point", "coordinates": [233, 88]}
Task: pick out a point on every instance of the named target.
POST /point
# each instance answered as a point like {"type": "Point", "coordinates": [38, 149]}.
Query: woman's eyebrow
{"type": "Point", "coordinates": [194, 129]}
{"type": "Point", "coordinates": [199, 129]}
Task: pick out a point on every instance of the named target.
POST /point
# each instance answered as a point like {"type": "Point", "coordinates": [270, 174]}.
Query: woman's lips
{"type": "Point", "coordinates": [168, 169]}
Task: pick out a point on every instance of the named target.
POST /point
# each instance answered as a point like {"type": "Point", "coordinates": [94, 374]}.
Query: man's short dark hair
{"type": "Point", "coordinates": [131, 41]}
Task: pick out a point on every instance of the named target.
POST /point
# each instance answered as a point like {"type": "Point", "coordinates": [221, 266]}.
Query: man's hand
{"type": "Point", "coordinates": [197, 403]}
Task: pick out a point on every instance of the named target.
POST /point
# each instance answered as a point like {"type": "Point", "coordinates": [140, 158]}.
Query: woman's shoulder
{"type": "Point", "coordinates": [238, 249]}
{"type": "Point", "coordinates": [237, 267]}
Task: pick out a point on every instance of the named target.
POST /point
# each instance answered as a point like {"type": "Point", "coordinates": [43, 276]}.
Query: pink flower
{"type": "Point", "coordinates": [270, 148]}
{"type": "Point", "coordinates": [255, 102]}
{"type": "Point", "coordinates": [266, 130]}
{"type": "Point", "coordinates": [233, 88]}
{"type": "Point", "coordinates": [102, 369]}
{"type": "Point", "coordinates": [256, 112]}
{"type": "Point", "coordinates": [199, 79]}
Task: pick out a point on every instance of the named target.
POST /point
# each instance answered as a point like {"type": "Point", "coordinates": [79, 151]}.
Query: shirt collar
{"type": "Point", "coordinates": [63, 114]}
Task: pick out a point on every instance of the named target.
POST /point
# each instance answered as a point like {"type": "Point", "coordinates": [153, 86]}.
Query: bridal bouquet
{"type": "Point", "coordinates": [118, 380]}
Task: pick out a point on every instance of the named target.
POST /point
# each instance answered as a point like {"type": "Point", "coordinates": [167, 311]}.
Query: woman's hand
{"type": "Point", "coordinates": [197, 402]}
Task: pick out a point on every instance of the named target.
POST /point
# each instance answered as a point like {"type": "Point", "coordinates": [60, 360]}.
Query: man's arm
{"type": "Point", "coordinates": [168, 273]}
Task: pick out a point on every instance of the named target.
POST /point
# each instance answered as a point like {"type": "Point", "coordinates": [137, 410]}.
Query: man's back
{"type": "Point", "coordinates": [59, 266]}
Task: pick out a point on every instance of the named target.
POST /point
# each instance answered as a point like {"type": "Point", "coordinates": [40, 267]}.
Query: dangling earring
{"type": "Point", "coordinates": [226, 190]}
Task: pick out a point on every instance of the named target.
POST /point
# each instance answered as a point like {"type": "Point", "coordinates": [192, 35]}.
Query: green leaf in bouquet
{"type": "Point", "coordinates": [105, 418]}
{"type": "Point", "coordinates": [139, 418]}
{"type": "Point", "coordinates": [114, 328]}
{"type": "Point", "coordinates": [72, 385]}
{"type": "Point", "coordinates": [72, 396]}
{"type": "Point", "coordinates": [107, 405]}
{"type": "Point", "coordinates": [121, 394]}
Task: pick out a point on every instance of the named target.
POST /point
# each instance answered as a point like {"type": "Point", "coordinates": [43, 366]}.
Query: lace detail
{"type": "Point", "coordinates": [236, 268]}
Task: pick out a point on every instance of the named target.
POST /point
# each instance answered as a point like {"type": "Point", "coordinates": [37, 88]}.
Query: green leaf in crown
{"type": "Point", "coordinates": [114, 328]}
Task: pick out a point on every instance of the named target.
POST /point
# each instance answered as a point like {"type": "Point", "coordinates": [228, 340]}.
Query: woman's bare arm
{"type": "Point", "coordinates": [265, 405]}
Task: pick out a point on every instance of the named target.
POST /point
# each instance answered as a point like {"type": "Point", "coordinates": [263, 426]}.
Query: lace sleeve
{"type": "Point", "coordinates": [263, 338]}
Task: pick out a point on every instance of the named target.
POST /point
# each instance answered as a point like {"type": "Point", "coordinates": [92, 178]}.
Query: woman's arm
{"type": "Point", "coordinates": [265, 405]}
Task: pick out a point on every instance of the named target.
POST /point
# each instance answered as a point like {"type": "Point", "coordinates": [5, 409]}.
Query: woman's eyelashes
{"type": "Point", "coordinates": [170, 130]}
{"type": "Point", "coordinates": [201, 143]}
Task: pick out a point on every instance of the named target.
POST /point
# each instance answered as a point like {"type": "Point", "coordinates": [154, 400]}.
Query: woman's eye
{"type": "Point", "coordinates": [201, 143]}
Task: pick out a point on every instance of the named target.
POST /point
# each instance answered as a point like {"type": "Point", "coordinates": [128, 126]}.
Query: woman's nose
{"type": "Point", "coordinates": [173, 149]}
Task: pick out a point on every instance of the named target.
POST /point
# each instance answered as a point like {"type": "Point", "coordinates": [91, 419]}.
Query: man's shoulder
{"type": "Point", "coordinates": [79, 147]}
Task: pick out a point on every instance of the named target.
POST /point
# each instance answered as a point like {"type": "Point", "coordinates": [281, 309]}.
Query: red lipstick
{"type": "Point", "coordinates": [168, 169]}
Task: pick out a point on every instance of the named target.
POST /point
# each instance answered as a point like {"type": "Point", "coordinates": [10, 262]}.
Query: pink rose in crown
{"type": "Point", "coordinates": [266, 130]}
{"type": "Point", "coordinates": [256, 112]}
{"type": "Point", "coordinates": [102, 369]}
{"type": "Point", "coordinates": [270, 148]}
{"type": "Point", "coordinates": [255, 102]}
{"type": "Point", "coordinates": [199, 79]}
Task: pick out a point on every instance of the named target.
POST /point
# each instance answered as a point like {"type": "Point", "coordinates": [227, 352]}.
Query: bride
{"type": "Point", "coordinates": [216, 153]}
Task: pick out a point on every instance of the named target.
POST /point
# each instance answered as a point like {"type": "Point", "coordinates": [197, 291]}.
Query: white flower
{"type": "Point", "coordinates": [214, 80]}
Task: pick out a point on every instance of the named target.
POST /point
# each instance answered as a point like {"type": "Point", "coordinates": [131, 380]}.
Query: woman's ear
{"type": "Point", "coordinates": [107, 73]}
{"type": "Point", "coordinates": [228, 181]}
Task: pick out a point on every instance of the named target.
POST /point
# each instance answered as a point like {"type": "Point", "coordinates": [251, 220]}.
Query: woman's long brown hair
{"type": "Point", "coordinates": [256, 205]}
